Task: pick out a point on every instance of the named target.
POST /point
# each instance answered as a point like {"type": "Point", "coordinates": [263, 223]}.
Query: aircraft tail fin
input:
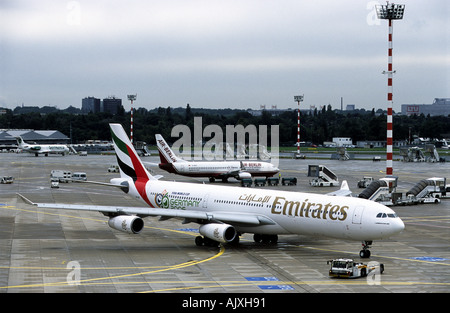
{"type": "Point", "coordinates": [20, 141]}
{"type": "Point", "coordinates": [165, 153]}
{"type": "Point", "coordinates": [129, 163]}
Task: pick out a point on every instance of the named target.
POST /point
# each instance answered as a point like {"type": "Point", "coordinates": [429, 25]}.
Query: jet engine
{"type": "Point", "coordinates": [244, 175]}
{"type": "Point", "coordinates": [127, 223]}
{"type": "Point", "coordinates": [123, 184]}
{"type": "Point", "coordinates": [222, 233]}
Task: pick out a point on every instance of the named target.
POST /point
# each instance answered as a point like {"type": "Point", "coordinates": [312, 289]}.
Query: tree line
{"type": "Point", "coordinates": [315, 126]}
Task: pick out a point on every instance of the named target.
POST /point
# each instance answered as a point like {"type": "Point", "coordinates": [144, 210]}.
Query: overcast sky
{"type": "Point", "coordinates": [220, 53]}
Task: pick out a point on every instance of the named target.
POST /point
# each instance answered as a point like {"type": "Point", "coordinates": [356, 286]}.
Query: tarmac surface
{"type": "Point", "coordinates": [64, 251]}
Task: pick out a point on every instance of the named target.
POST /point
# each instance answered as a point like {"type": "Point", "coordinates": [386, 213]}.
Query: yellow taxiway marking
{"type": "Point", "coordinates": [96, 280]}
{"type": "Point", "coordinates": [157, 268]}
{"type": "Point", "coordinates": [208, 284]}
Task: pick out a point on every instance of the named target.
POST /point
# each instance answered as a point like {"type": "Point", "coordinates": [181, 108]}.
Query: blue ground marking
{"type": "Point", "coordinates": [427, 258]}
{"type": "Point", "coordinates": [269, 287]}
{"type": "Point", "coordinates": [194, 230]}
{"type": "Point", "coordinates": [276, 287]}
{"type": "Point", "coordinates": [269, 278]}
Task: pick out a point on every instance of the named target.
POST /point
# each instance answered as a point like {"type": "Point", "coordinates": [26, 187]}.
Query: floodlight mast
{"type": "Point", "coordinates": [390, 12]}
{"type": "Point", "coordinates": [131, 98]}
{"type": "Point", "coordinates": [298, 99]}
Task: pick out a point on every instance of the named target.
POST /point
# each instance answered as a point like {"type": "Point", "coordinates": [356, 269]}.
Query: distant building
{"type": "Point", "coordinates": [90, 104]}
{"type": "Point", "coordinates": [7, 140]}
{"type": "Point", "coordinates": [440, 106]}
{"type": "Point", "coordinates": [342, 141]}
{"type": "Point", "coordinates": [112, 105]}
{"type": "Point", "coordinates": [350, 107]}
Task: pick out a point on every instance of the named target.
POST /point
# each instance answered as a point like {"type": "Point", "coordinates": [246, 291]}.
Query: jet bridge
{"type": "Point", "coordinates": [322, 176]}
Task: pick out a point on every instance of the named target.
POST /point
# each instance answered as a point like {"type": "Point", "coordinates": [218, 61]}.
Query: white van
{"type": "Point", "coordinates": [79, 176]}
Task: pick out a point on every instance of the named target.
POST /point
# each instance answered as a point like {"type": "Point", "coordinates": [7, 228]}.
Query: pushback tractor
{"type": "Point", "coordinates": [347, 268]}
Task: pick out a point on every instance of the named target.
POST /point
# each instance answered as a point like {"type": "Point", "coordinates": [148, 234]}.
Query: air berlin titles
{"type": "Point", "coordinates": [305, 208]}
{"type": "Point", "coordinates": [167, 150]}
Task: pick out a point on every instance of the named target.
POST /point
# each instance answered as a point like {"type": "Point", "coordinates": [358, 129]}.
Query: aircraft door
{"type": "Point", "coordinates": [357, 215]}
{"type": "Point", "coordinates": [205, 201]}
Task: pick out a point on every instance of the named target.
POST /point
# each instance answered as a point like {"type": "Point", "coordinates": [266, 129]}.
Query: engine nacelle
{"type": "Point", "coordinates": [127, 223]}
{"type": "Point", "coordinates": [124, 185]}
{"type": "Point", "coordinates": [222, 233]}
{"type": "Point", "coordinates": [244, 175]}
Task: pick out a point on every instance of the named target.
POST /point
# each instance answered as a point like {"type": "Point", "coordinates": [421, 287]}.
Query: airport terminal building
{"type": "Point", "coordinates": [7, 140]}
{"type": "Point", "coordinates": [440, 106]}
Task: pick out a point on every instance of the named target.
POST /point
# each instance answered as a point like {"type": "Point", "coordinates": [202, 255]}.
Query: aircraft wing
{"type": "Point", "coordinates": [228, 217]}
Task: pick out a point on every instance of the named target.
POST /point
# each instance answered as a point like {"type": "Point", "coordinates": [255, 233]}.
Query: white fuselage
{"type": "Point", "coordinates": [45, 149]}
{"type": "Point", "coordinates": [206, 168]}
{"type": "Point", "coordinates": [291, 212]}
{"type": "Point", "coordinates": [221, 168]}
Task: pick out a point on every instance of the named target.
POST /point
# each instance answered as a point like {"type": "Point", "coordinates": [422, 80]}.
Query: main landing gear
{"type": "Point", "coordinates": [266, 239]}
{"type": "Point", "coordinates": [205, 241]}
{"type": "Point", "coordinates": [365, 252]}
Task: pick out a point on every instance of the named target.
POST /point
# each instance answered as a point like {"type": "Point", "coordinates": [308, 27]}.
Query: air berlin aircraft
{"type": "Point", "coordinates": [212, 169]}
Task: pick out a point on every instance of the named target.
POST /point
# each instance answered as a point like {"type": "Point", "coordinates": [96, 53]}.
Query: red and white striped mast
{"type": "Point", "coordinates": [131, 98]}
{"type": "Point", "coordinates": [390, 12]}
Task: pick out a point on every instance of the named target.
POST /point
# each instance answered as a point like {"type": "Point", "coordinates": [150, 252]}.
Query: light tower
{"type": "Point", "coordinates": [298, 99]}
{"type": "Point", "coordinates": [390, 12]}
{"type": "Point", "coordinates": [131, 98]}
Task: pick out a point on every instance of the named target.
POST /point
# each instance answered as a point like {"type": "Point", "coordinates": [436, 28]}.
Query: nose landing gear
{"type": "Point", "coordinates": [365, 252]}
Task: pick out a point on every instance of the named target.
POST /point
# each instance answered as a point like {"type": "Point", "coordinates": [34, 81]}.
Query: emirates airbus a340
{"type": "Point", "coordinates": [226, 212]}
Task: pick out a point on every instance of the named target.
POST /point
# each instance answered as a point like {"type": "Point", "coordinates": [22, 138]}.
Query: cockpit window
{"type": "Point", "coordinates": [384, 215]}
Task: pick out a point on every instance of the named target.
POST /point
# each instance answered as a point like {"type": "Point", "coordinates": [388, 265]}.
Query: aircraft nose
{"type": "Point", "coordinates": [397, 226]}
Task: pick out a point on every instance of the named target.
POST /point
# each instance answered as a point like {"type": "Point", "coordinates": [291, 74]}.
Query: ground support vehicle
{"type": "Point", "coordinates": [289, 181]}
{"type": "Point", "coordinates": [323, 177]}
{"type": "Point", "coordinates": [113, 169]}
{"type": "Point", "coordinates": [365, 182]}
{"type": "Point", "coordinates": [61, 175]}
{"type": "Point", "coordinates": [259, 182]}
{"type": "Point", "coordinates": [347, 268]}
{"type": "Point", "coordinates": [6, 180]}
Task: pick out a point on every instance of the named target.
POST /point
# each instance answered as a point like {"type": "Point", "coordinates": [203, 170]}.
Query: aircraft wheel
{"type": "Point", "coordinates": [257, 238]}
{"type": "Point", "coordinates": [199, 241]}
{"type": "Point", "coordinates": [235, 241]}
{"type": "Point", "coordinates": [363, 272]}
{"type": "Point", "coordinates": [364, 254]}
{"type": "Point", "coordinates": [273, 239]}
